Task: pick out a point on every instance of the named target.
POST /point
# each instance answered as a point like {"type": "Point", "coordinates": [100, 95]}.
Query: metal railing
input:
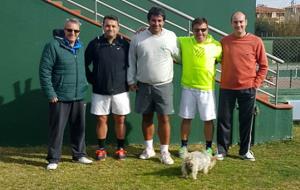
{"type": "Point", "coordinates": [95, 12]}
{"type": "Point", "coordinates": [146, 11]}
{"type": "Point", "coordinates": [185, 29]}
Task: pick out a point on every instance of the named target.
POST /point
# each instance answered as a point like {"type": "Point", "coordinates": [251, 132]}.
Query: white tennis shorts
{"type": "Point", "coordinates": [118, 104]}
{"type": "Point", "coordinates": [191, 99]}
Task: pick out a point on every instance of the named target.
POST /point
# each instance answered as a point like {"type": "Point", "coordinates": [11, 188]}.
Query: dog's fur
{"type": "Point", "coordinates": [197, 161]}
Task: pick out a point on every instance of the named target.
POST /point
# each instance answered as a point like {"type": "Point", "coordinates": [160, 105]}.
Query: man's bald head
{"type": "Point", "coordinates": [238, 14]}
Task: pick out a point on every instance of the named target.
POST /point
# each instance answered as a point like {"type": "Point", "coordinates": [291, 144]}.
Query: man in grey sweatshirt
{"type": "Point", "coordinates": [150, 73]}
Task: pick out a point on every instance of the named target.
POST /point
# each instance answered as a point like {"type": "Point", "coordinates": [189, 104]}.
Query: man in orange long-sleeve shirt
{"type": "Point", "coordinates": [244, 67]}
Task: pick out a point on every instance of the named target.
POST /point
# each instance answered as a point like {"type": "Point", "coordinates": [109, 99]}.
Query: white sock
{"type": "Point", "coordinates": [149, 144]}
{"type": "Point", "coordinates": [164, 148]}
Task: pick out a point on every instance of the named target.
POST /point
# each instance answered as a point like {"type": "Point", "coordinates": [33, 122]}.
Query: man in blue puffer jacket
{"type": "Point", "coordinates": [63, 80]}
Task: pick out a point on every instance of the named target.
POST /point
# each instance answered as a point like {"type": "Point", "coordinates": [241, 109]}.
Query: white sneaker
{"type": "Point", "coordinates": [219, 157]}
{"type": "Point", "coordinates": [182, 152]}
{"type": "Point", "coordinates": [52, 166]}
{"type": "Point", "coordinates": [84, 160]}
{"type": "Point", "coordinates": [166, 158]}
{"type": "Point", "coordinates": [248, 156]}
{"type": "Point", "coordinates": [147, 153]}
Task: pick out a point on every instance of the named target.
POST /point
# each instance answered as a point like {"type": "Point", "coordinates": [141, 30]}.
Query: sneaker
{"type": "Point", "coordinates": [84, 160]}
{"type": "Point", "coordinates": [248, 156]}
{"type": "Point", "coordinates": [52, 166]}
{"type": "Point", "coordinates": [209, 151]}
{"type": "Point", "coordinates": [166, 158]}
{"type": "Point", "coordinates": [219, 157]}
{"type": "Point", "coordinates": [101, 154]}
{"type": "Point", "coordinates": [146, 154]}
{"type": "Point", "coordinates": [120, 154]}
{"type": "Point", "coordinates": [182, 151]}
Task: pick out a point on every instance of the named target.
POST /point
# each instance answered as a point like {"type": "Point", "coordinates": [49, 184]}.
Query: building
{"type": "Point", "coordinates": [292, 12]}
{"type": "Point", "coordinates": [278, 15]}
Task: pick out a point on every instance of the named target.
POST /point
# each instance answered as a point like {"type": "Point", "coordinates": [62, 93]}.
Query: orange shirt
{"type": "Point", "coordinates": [244, 62]}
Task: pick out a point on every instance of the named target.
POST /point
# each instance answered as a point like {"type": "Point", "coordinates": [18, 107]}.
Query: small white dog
{"type": "Point", "coordinates": [197, 161]}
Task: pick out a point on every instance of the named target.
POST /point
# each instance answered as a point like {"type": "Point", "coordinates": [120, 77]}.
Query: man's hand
{"type": "Point", "coordinates": [53, 100]}
{"type": "Point", "coordinates": [133, 87]}
{"type": "Point", "coordinates": [141, 29]}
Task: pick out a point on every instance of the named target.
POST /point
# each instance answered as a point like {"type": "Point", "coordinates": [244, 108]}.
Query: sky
{"type": "Point", "coordinates": [276, 3]}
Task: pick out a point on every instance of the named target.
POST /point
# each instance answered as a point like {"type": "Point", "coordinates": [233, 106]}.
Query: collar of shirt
{"type": "Point", "coordinates": [104, 40]}
{"type": "Point", "coordinates": [76, 46]}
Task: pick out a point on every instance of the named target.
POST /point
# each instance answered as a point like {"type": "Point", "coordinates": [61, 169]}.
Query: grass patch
{"type": "Point", "coordinates": [277, 167]}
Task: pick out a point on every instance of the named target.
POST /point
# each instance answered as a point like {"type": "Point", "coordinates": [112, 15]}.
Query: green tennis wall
{"type": "Point", "coordinates": [27, 26]}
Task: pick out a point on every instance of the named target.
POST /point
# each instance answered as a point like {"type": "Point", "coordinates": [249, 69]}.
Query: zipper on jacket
{"type": "Point", "coordinates": [76, 87]}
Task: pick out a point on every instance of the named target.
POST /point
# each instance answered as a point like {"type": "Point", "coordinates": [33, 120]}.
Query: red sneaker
{"type": "Point", "coordinates": [120, 154]}
{"type": "Point", "coordinates": [100, 154]}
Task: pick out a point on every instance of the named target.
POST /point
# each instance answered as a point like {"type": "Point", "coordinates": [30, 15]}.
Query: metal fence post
{"type": "Point", "coordinates": [96, 11]}
{"type": "Point", "coordinates": [291, 76]}
{"type": "Point", "coordinates": [276, 87]}
{"type": "Point", "coordinates": [189, 28]}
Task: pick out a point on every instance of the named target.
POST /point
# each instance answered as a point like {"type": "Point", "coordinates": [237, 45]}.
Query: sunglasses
{"type": "Point", "coordinates": [200, 29]}
{"type": "Point", "coordinates": [71, 30]}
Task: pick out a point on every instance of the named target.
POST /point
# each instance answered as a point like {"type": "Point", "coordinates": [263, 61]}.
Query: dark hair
{"type": "Point", "coordinates": [199, 21]}
{"type": "Point", "coordinates": [156, 11]}
{"type": "Point", "coordinates": [110, 17]}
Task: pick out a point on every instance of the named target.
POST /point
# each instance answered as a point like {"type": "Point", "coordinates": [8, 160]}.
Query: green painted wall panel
{"type": "Point", "coordinates": [272, 124]}
{"type": "Point", "coordinates": [26, 27]}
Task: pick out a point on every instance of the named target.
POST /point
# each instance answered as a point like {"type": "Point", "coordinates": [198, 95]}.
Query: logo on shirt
{"type": "Point", "coordinates": [198, 51]}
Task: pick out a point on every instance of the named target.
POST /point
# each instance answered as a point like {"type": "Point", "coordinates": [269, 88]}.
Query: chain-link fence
{"type": "Point", "coordinates": [287, 49]}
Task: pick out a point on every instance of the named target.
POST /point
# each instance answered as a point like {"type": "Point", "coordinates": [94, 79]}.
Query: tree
{"type": "Point", "coordinates": [268, 27]}
{"type": "Point", "coordinates": [264, 27]}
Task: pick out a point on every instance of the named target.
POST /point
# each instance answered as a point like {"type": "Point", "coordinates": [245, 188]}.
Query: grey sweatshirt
{"type": "Point", "coordinates": [151, 57]}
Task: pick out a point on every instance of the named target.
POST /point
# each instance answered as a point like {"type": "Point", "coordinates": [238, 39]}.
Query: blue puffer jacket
{"type": "Point", "coordinates": [62, 72]}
